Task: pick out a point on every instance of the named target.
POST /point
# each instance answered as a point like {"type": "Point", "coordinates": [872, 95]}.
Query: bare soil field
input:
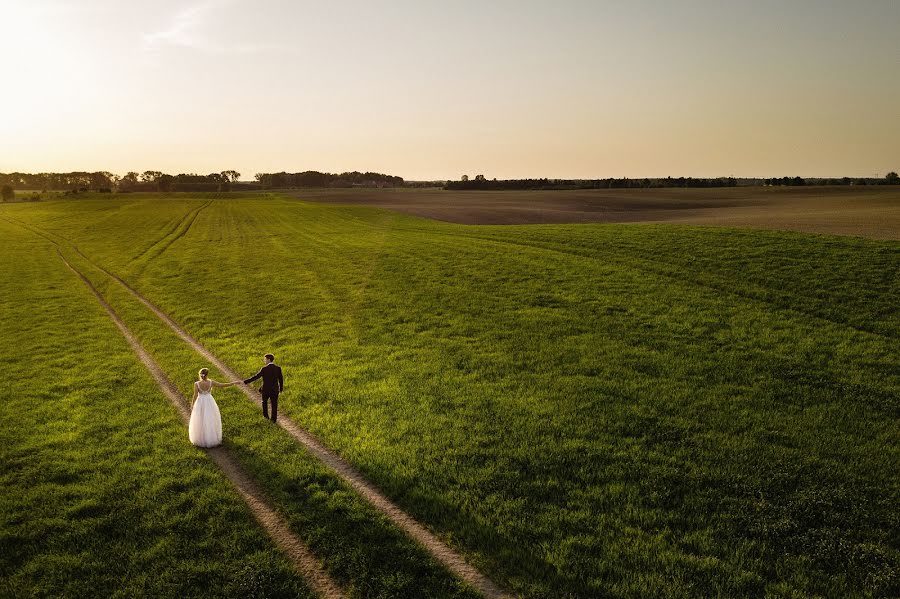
{"type": "Point", "coordinates": [864, 211]}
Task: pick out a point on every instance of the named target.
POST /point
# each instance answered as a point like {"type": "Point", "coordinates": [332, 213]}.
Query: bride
{"type": "Point", "coordinates": [205, 428]}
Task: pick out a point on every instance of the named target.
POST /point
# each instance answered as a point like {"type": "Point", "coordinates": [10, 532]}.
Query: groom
{"type": "Point", "coordinates": [272, 385]}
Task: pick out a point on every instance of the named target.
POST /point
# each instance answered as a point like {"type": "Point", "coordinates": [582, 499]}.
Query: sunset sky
{"type": "Point", "coordinates": [433, 90]}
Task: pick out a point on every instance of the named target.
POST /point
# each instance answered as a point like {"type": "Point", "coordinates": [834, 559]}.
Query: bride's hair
{"type": "Point", "coordinates": [204, 372]}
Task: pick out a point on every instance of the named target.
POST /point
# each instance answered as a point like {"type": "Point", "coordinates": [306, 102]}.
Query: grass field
{"type": "Point", "coordinates": [100, 494]}
{"type": "Point", "coordinates": [583, 410]}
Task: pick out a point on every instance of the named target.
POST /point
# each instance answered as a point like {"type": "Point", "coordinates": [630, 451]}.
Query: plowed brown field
{"type": "Point", "coordinates": [872, 211]}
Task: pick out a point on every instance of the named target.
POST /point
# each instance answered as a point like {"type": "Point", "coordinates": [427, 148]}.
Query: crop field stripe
{"type": "Point", "coordinates": [437, 548]}
{"type": "Point", "coordinates": [645, 266]}
{"type": "Point", "coordinates": [297, 552]}
{"type": "Point", "coordinates": [169, 231]}
{"type": "Point", "coordinates": [347, 313]}
{"type": "Point", "coordinates": [180, 231]}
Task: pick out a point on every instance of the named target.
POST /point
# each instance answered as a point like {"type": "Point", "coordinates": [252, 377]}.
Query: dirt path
{"type": "Point", "coordinates": [297, 552]}
{"type": "Point", "coordinates": [290, 543]}
{"type": "Point", "coordinates": [437, 548]}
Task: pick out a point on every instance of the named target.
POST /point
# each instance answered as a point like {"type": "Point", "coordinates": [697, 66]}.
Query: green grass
{"type": "Point", "coordinates": [583, 410]}
{"type": "Point", "coordinates": [100, 494]}
{"type": "Point", "coordinates": [359, 546]}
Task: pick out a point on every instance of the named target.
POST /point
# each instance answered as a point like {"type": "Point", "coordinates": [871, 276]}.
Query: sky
{"type": "Point", "coordinates": [436, 89]}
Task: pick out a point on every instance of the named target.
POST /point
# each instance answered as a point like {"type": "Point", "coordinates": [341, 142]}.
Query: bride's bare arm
{"type": "Point", "coordinates": [194, 397]}
{"type": "Point", "coordinates": [218, 384]}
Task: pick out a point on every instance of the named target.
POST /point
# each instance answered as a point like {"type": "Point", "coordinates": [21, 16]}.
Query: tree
{"type": "Point", "coordinates": [165, 182]}
{"type": "Point", "coordinates": [220, 179]}
{"type": "Point", "coordinates": [464, 178]}
{"type": "Point", "coordinates": [480, 178]}
{"type": "Point", "coordinates": [231, 175]}
{"type": "Point", "coordinates": [102, 180]}
{"type": "Point", "coordinates": [7, 193]}
{"type": "Point", "coordinates": [129, 179]}
{"type": "Point", "coordinates": [311, 179]}
{"type": "Point", "coordinates": [892, 178]}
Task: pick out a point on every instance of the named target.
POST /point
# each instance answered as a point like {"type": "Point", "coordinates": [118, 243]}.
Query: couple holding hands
{"type": "Point", "coordinates": [205, 428]}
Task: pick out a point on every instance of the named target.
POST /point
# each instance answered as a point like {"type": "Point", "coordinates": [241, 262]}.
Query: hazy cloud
{"type": "Point", "coordinates": [189, 29]}
{"type": "Point", "coordinates": [184, 27]}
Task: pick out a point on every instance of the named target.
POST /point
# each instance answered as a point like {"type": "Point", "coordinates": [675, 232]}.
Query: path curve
{"type": "Point", "coordinates": [191, 214]}
{"type": "Point", "coordinates": [180, 233]}
{"type": "Point", "coordinates": [297, 552]}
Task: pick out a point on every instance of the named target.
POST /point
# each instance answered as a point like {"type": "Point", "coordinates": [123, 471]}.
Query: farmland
{"type": "Point", "coordinates": [579, 409]}
{"type": "Point", "coordinates": [868, 211]}
{"type": "Point", "coordinates": [100, 494]}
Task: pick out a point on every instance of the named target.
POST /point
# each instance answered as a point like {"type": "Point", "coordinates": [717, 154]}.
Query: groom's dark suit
{"type": "Point", "coordinates": [272, 385]}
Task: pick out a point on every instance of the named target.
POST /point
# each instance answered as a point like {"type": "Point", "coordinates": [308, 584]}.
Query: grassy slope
{"type": "Point", "coordinates": [596, 409]}
{"type": "Point", "coordinates": [100, 494]}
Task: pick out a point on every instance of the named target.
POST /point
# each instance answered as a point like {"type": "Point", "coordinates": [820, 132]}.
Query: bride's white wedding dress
{"type": "Point", "coordinates": [205, 428]}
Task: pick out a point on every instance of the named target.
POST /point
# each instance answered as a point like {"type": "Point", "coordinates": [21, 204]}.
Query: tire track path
{"type": "Point", "coordinates": [294, 548]}
{"type": "Point", "coordinates": [170, 230]}
{"type": "Point", "coordinates": [437, 548]}
{"type": "Point", "coordinates": [158, 248]}
{"type": "Point", "coordinates": [303, 560]}
{"type": "Point", "coordinates": [450, 558]}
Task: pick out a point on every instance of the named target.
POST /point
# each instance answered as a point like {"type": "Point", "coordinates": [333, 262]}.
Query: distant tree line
{"type": "Point", "coordinates": [159, 181]}
{"type": "Point", "coordinates": [59, 181]}
{"type": "Point", "coordinates": [890, 179]}
{"type": "Point", "coordinates": [317, 179]}
{"type": "Point", "coordinates": [103, 181]}
{"type": "Point", "coordinates": [480, 182]}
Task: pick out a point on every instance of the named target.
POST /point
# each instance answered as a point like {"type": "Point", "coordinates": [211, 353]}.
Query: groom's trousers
{"type": "Point", "coordinates": [266, 397]}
